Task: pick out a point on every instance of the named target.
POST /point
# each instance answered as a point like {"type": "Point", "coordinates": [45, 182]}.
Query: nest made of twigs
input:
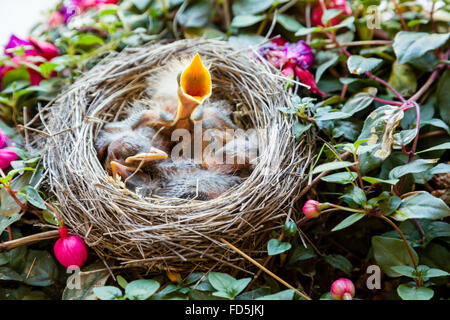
{"type": "Point", "coordinates": [173, 234]}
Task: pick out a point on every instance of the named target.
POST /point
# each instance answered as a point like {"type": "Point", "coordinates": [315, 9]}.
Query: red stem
{"type": "Point", "coordinates": [397, 8]}
{"type": "Point", "coordinates": [391, 102]}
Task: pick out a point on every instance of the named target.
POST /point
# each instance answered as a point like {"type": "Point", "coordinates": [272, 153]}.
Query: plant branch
{"type": "Point", "coordinates": [9, 245]}
{"type": "Point", "coordinates": [411, 255]}
{"type": "Point", "coordinates": [402, 20]}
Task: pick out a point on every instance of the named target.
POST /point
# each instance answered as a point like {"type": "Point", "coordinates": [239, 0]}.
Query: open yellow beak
{"type": "Point", "coordinates": [195, 87]}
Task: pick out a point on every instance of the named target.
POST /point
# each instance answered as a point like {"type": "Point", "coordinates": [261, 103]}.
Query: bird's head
{"type": "Point", "coordinates": [132, 163]}
{"type": "Point", "coordinates": [194, 87]}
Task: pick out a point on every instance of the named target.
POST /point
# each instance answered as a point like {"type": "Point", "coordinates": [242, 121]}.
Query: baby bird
{"type": "Point", "coordinates": [176, 91]}
{"type": "Point", "coordinates": [238, 153]}
{"type": "Point", "coordinates": [177, 179]}
{"type": "Point", "coordinates": [123, 149]}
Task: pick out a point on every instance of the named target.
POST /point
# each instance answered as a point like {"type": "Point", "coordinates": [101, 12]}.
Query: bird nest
{"type": "Point", "coordinates": [173, 234]}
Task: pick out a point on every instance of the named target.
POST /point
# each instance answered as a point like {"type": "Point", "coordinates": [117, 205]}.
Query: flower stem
{"type": "Point", "coordinates": [397, 8]}
{"type": "Point", "coordinates": [411, 255]}
{"type": "Point", "coordinates": [344, 208]}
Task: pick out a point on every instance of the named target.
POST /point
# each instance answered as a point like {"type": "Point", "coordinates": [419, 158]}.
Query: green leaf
{"type": "Point", "coordinates": [301, 253]}
{"type": "Point", "coordinates": [40, 269]}
{"type": "Point", "coordinates": [354, 196]}
{"type": "Point", "coordinates": [227, 286]}
{"type": "Point", "coordinates": [254, 294]}
{"type": "Point", "coordinates": [108, 293]}
{"type": "Point", "coordinates": [220, 281]}
{"type": "Point", "coordinates": [379, 128]}
{"type": "Point", "coordinates": [428, 272]}
{"type": "Point", "coordinates": [8, 274]}
{"type": "Point", "coordinates": [330, 14]}
{"type": "Point", "coordinates": [290, 228]}
{"type": "Point", "coordinates": [6, 221]}
{"type": "Point", "coordinates": [34, 197]}
{"type": "Point", "coordinates": [419, 165]}
{"type": "Point", "coordinates": [324, 66]}
{"type": "Point", "coordinates": [436, 123]}
{"type": "Point", "coordinates": [122, 282]}
{"type": "Point", "coordinates": [339, 262]}
{"type": "Point", "coordinates": [348, 221]}
{"type": "Point", "coordinates": [341, 177]}
{"type": "Point", "coordinates": [360, 101]}
{"type": "Point", "coordinates": [282, 295]}
{"type": "Point", "coordinates": [443, 96]}
{"type": "Point", "coordinates": [141, 289]}
{"type": "Point", "coordinates": [246, 20]}
{"type": "Point", "coordinates": [335, 165]}
{"type": "Point", "coordinates": [411, 45]}
{"type": "Point", "coordinates": [298, 129]}
{"type": "Point", "coordinates": [377, 180]}
{"type": "Point", "coordinates": [306, 31]}
{"type": "Point", "coordinates": [47, 68]}
{"type": "Point", "coordinates": [403, 79]}
{"type": "Point", "coordinates": [196, 15]}
{"type": "Point", "coordinates": [245, 40]}
{"type": "Point", "coordinates": [87, 282]}
{"type": "Point", "coordinates": [389, 252]}
{"type": "Point", "coordinates": [441, 168]}
{"type": "Point", "coordinates": [411, 292]}
{"type": "Point", "coordinates": [421, 204]}
{"type": "Point", "coordinates": [89, 40]}
{"type": "Point", "coordinates": [405, 271]}
{"type": "Point", "coordinates": [443, 146]}
{"type": "Point", "coordinates": [141, 4]}
{"type": "Point", "coordinates": [346, 23]}
{"type": "Point", "coordinates": [389, 205]}
{"type": "Point", "coordinates": [325, 115]}
{"type": "Point", "coordinates": [19, 74]}
{"type": "Point", "coordinates": [251, 6]}
{"type": "Point", "coordinates": [360, 65]}
{"type": "Point", "coordinates": [275, 246]}
{"type": "Point", "coordinates": [404, 137]}
{"type": "Point", "coordinates": [288, 23]}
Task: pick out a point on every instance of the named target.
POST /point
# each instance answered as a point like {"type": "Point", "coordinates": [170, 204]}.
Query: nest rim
{"type": "Point", "coordinates": [175, 234]}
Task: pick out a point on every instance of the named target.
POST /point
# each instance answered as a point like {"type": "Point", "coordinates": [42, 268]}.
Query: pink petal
{"type": "Point", "coordinates": [6, 157]}
{"type": "Point", "coordinates": [307, 78]}
{"type": "Point", "coordinates": [44, 49]}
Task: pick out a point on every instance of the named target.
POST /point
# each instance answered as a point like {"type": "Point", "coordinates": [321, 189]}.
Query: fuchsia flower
{"type": "Point", "coordinates": [7, 155]}
{"type": "Point", "coordinates": [312, 208]}
{"type": "Point", "coordinates": [32, 48]}
{"type": "Point", "coordinates": [294, 60]}
{"type": "Point", "coordinates": [331, 4]}
{"type": "Point", "coordinates": [342, 289]}
{"type": "Point", "coordinates": [70, 250]}
{"type": "Point", "coordinates": [75, 7]}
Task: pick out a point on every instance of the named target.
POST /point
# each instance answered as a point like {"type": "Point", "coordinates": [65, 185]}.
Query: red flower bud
{"type": "Point", "coordinates": [342, 289]}
{"type": "Point", "coordinates": [331, 4]}
{"type": "Point", "coordinates": [311, 209]}
{"type": "Point", "coordinates": [70, 250]}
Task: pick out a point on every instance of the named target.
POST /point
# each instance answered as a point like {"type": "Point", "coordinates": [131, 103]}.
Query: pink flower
{"type": "Point", "coordinates": [331, 4]}
{"type": "Point", "coordinates": [7, 155]}
{"type": "Point", "coordinates": [44, 49]}
{"type": "Point", "coordinates": [342, 289]}
{"type": "Point", "coordinates": [73, 8]}
{"type": "Point", "coordinates": [15, 42]}
{"type": "Point", "coordinates": [70, 250]}
{"type": "Point", "coordinates": [307, 78]}
{"type": "Point", "coordinates": [311, 209]}
{"type": "Point", "coordinates": [32, 48]}
{"type": "Point", "coordinates": [294, 60]}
